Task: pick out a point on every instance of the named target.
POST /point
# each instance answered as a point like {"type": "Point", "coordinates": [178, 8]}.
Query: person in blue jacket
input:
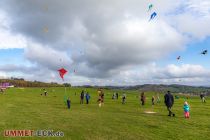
{"type": "Point", "coordinates": [87, 96]}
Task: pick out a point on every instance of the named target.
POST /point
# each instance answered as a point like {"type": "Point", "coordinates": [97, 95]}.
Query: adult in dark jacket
{"type": "Point", "coordinates": [117, 95]}
{"type": "Point", "coordinates": [169, 101]}
{"type": "Point", "coordinates": [143, 98]}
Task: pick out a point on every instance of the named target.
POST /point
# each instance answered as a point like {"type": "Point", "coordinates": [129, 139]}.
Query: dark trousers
{"type": "Point", "coordinates": [87, 101]}
{"type": "Point", "coordinates": [68, 105]}
{"type": "Point", "coordinates": [169, 111]}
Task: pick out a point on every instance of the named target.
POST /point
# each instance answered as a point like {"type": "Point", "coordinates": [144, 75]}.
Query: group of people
{"type": "Point", "coordinates": [45, 92]}
{"type": "Point", "coordinates": [168, 100]}
{"type": "Point", "coordinates": [84, 95]}
{"type": "Point", "coordinates": [143, 99]}
{"type": "Point", "coordinates": [116, 95]}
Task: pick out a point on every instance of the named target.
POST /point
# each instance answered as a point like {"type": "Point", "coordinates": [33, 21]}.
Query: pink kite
{"type": "Point", "coordinates": [62, 72]}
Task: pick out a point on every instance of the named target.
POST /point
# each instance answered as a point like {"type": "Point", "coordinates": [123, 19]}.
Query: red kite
{"type": "Point", "coordinates": [62, 72]}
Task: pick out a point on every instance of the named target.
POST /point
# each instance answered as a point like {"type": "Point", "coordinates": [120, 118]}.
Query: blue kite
{"type": "Point", "coordinates": [153, 15]}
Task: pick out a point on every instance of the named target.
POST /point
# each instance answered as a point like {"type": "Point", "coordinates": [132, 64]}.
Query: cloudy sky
{"type": "Point", "coordinates": [106, 42]}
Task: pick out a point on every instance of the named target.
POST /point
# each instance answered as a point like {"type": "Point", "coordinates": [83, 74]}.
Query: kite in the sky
{"type": "Point", "coordinates": [150, 7]}
{"type": "Point", "coordinates": [204, 52]}
{"type": "Point", "coordinates": [62, 72]}
{"type": "Point", "coordinates": [178, 58]}
{"type": "Point", "coordinates": [74, 71]}
{"type": "Point", "coordinates": [45, 29]}
{"type": "Point", "coordinates": [153, 15]}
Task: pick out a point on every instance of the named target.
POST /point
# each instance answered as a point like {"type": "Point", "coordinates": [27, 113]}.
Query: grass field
{"type": "Point", "coordinates": [27, 109]}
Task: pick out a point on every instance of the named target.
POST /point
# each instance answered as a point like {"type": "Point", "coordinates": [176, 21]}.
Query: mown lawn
{"type": "Point", "coordinates": [27, 109]}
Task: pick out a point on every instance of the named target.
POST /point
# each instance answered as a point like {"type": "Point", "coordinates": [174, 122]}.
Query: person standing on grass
{"type": "Point", "coordinates": [169, 101]}
{"type": "Point", "coordinates": [153, 100]}
{"type": "Point", "coordinates": [158, 98]}
{"type": "Point", "coordinates": [100, 97]}
{"type": "Point", "coordinates": [186, 110]}
{"type": "Point", "coordinates": [113, 96]}
{"type": "Point", "coordinates": [203, 98]}
{"type": "Point", "coordinates": [87, 96]}
{"type": "Point", "coordinates": [68, 103]}
{"type": "Point", "coordinates": [123, 98]}
{"type": "Point", "coordinates": [143, 99]}
{"type": "Point", "coordinates": [45, 92]}
{"type": "Point", "coordinates": [82, 97]}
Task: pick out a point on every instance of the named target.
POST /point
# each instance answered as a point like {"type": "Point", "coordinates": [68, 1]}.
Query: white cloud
{"type": "Point", "coordinates": [192, 19]}
{"type": "Point", "coordinates": [104, 40]}
{"type": "Point", "coordinates": [3, 75]}
{"type": "Point", "coordinates": [7, 39]}
{"type": "Point", "coordinates": [47, 57]}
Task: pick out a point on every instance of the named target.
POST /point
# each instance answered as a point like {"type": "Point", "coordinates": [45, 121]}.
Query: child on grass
{"type": "Point", "coordinates": [186, 110]}
{"type": "Point", "coordinates": [68, 103]}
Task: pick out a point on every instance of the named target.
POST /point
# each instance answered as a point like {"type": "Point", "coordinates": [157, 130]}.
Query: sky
{"type": "Point", "coordinates": [106, 42]}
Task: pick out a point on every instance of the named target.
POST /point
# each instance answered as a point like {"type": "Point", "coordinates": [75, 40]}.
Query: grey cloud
{"type": "Point", "coordinates": [102, 29]}
{"type": "Point", "coordinates": [111, 35]}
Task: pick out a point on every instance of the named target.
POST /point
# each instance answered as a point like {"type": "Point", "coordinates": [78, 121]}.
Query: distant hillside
{"type": "Point", "coordinates": [161, 88]}
{"type": "Point", "coordinates": [173, 88]}
{"type": "Point", "coordinates": [20, 82]}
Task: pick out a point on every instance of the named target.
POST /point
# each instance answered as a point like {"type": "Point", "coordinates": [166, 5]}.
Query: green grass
{"type": "Point", "coordinates": [27, 109]}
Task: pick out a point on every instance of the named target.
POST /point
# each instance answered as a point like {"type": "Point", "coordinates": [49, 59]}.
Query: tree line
{"type": "Point", "coordinates": [20, 82]}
